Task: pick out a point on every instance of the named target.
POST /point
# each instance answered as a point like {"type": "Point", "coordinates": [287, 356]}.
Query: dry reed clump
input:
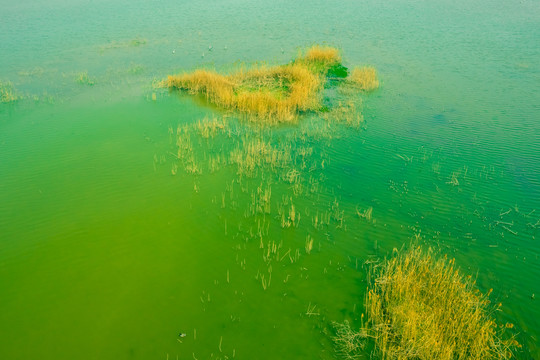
{"type": "Point", "coordinates": [364, 78]}
{"type": "Point", "coordinates": [320, 58]}
{"type": "Point", "coordinates": [326, 54]}
{"type": "Point", "coordinates": [7, 94]}
{"type": "Point", "coordinates": [273, 92]}
{"type": "Point", "coordinates": [420, 307]}
{"type": "Point", "coordinates": [277, 93]}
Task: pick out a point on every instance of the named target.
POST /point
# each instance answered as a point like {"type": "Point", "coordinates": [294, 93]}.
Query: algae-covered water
{"type": "Point", "coordinates": [113, 242]}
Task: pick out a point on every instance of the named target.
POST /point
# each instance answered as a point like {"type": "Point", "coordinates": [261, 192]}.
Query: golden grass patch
{"type": "Point", "coordinates": [324, 54]}
{"type": "Point", "coordinates": [274, 92]}
{"type": "Point", "coordinates": [364, 78]}
{"type": "Point", "coordinates": [421, 307]}
{"type": "Point", "coordinates": [270, 94]}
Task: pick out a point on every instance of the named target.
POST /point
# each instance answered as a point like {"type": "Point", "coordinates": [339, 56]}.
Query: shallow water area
{"type": "Point", "coordinates": [112, 242]}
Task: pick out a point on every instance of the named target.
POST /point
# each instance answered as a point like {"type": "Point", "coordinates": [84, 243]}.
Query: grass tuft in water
{"type": "Point", "coordinates": [421, 307]}
{"type": "Point", "coordinates": [320, 58]}
{"type": "Point", "coordinates": [83, 79]}
{"type": "Point", "coordinates": [7, 93]}
{"type": "Point", "coordinates": [345, 113]}
{"type": "Point", "coordinates": [364, 78]}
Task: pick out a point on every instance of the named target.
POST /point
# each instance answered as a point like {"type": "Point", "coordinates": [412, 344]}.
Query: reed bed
{"type": "Point", "coordinates": [273, 93]}
{"type": "Point", "coordinates": [419, 306]}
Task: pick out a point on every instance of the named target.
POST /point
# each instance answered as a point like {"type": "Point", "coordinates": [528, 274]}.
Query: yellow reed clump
{"type": "Point", "coordinates": [364, 78]}
{"type": "Point", "coordinates": [272, 92]}
{"type": "Point", "coordinates": [217, 88]}
{"type": "Point", "coordinates": [421, 307]}
{"type": "Point", "coordinates": [322, 54]}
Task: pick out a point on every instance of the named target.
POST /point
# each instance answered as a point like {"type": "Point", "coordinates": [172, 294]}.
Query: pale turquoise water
{"type": "Point", "coordinates": [105, 254]}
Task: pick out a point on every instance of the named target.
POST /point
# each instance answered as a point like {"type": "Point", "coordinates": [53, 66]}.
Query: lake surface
{"type": "Point", "coordinates": [110, 246]}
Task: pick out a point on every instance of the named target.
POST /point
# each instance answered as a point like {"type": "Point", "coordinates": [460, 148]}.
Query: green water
{"type": "Point", "coordinates": [105, 254]}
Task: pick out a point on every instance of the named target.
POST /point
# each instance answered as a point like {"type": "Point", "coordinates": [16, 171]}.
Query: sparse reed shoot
{"type": "Point", "coordinates": [349, 343]}
{"type": "Point", "coordinates": [309, 244]}
{"type": "Point", "coordinates": [366, 214]}
{"type": "Point", "coordinates": [345, 112]}
{"type": "Point", "coordinates": [83, 78]}
{"type": "Point", "coordinates": [7, 93]}
{"type": "Point", "coordinates": [312, 310]}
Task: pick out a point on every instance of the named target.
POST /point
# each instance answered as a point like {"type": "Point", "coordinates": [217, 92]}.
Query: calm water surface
{"type": "Point", "coordinates": [108, 250]}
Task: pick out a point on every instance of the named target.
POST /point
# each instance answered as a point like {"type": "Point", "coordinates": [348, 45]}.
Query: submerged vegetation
{"type": "Point", "coordinates": [421, 307]}
{"type": "Point", "coordinates": [275, 93]}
